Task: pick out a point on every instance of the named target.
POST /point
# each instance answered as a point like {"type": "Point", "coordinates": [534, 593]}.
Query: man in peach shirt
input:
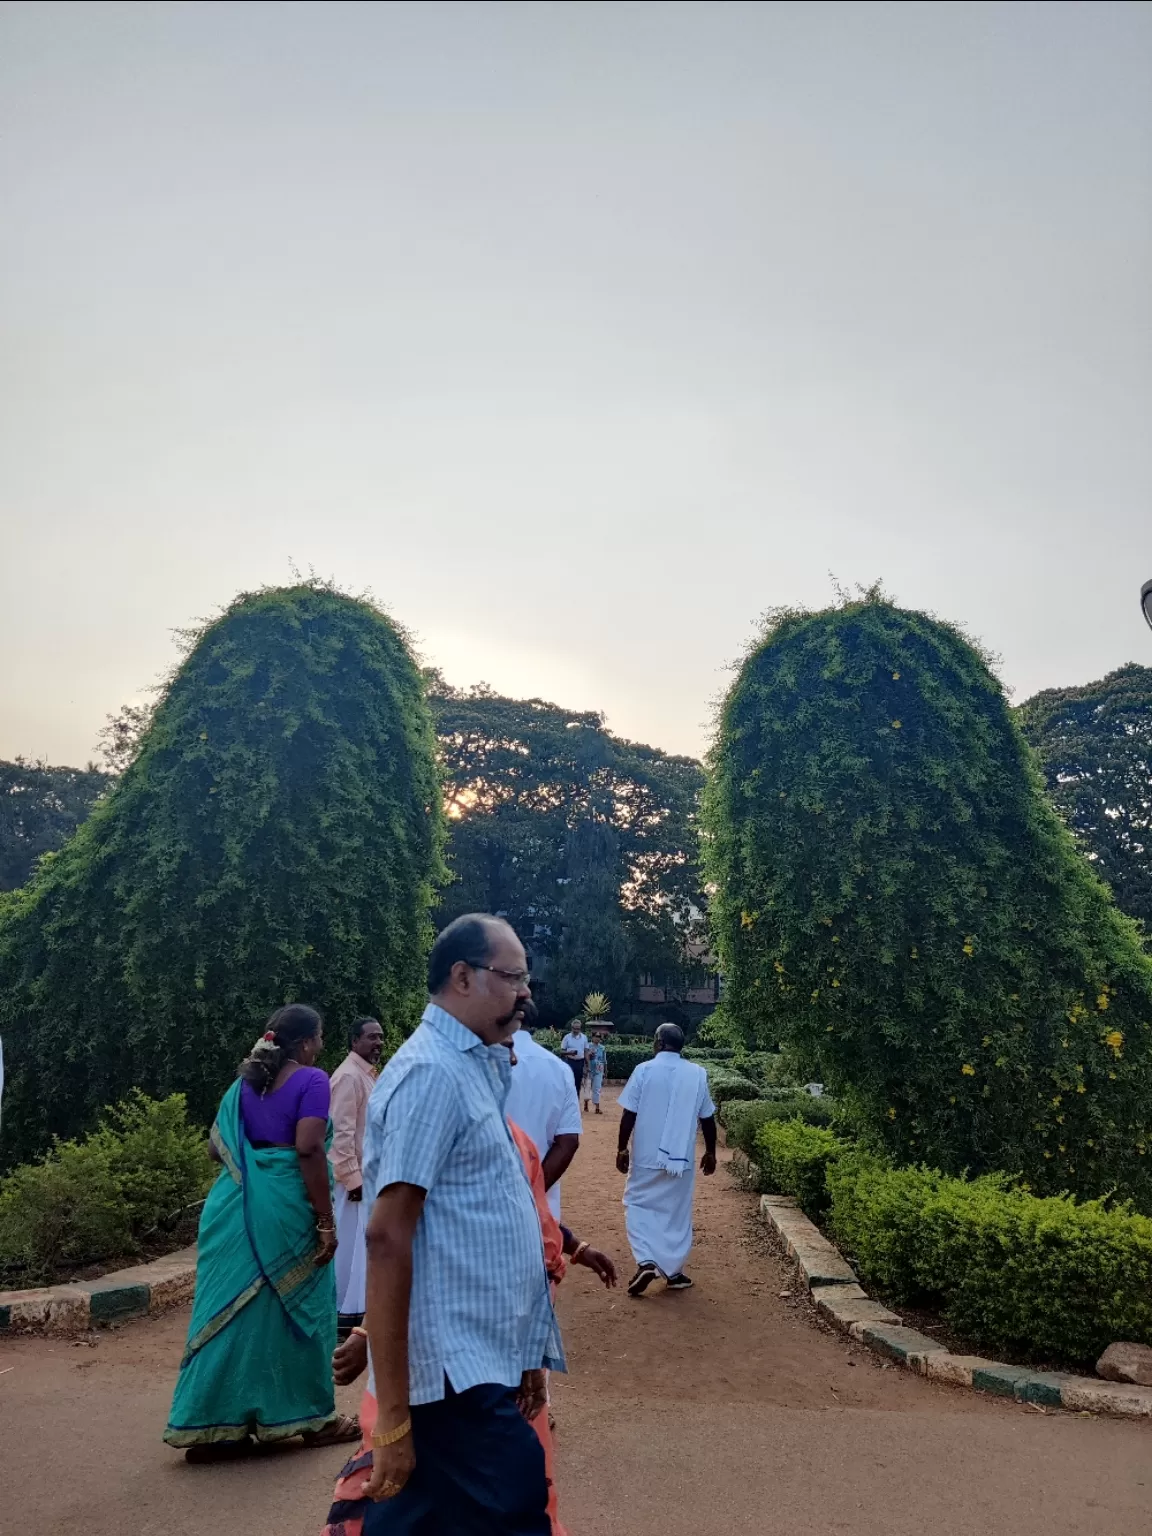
{"type": "Point", "coordinates": [352, 1084]}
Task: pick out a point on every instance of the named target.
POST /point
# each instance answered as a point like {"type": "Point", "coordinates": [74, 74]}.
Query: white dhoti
{"type": "Point", "coordinates": [351, 1261]}
{"type": "Point", "coordinates": [658, 1217]}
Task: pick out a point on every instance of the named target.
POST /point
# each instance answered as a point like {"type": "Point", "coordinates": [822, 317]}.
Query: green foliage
{"type": "Point", "coordinates": [724, 1083]}
{"type": "Point", "coordinates": [706, 1053]}
{"type": "Point", "coordinates": [795, 1158]}
{"type": "Point", "coordinates": [742, 1118]}
{"type": "Point", "coordinates": [898, 902]}
{"type": "Point", "coordinates": [93, 1200]}
{"type": "Point", "coordinates": [548, 1038]}
{"type": "Point", "coordinates": [276, 837]}
{"type": "Point", "coordinates": [594, 944]}
{"type": "Point", "coordinates": [1046, 1278]}
{"type": "Point", "coordinates": [40, 808]}
{"type": "Point", "coordinates": [624, 1059]}
{"type": "Point", "coordinates": [1095, 749]}
{"type": "Point", "coordinates": [522, 777]}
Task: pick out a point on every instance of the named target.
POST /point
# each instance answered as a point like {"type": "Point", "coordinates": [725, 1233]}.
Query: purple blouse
{"type": "Point", "coordinates": [273, 1118]}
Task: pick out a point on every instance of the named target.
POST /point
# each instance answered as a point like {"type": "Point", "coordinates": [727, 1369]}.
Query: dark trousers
{"type": "Point", "coordinates": [577, 1072]}
{"type": "Point", "coordinates": [479, 1472]}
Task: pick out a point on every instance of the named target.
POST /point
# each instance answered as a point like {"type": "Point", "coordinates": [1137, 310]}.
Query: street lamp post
{"type": "Point", "coordinates": [1146, 600]}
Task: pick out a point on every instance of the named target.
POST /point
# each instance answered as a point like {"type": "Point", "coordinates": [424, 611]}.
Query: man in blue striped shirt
{"type": "Point", "coordinates": [459, 1315]}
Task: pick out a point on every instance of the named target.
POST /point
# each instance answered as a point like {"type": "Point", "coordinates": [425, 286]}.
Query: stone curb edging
{"type": "Point", "coordinates": [67, 1309]}
{"type": "Point", "coordinates": [838, 1296]}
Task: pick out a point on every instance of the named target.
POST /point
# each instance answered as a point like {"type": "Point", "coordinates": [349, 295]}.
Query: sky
{"type": "Point", "coordinates": [579, 334]}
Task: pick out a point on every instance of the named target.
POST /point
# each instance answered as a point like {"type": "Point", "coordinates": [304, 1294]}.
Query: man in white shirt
{"type": "Point", "coordinates": [542, 1102]}
{"type": "Point", "coordinates": [663, 1102]}
{"type": "Point", "coordinates": [575, 1046]}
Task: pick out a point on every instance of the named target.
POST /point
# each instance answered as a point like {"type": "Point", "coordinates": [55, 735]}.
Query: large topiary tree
{"type": "Point", "coordinates": [897, 898]}
{"type": "Point", "coordinates": [277, 836]}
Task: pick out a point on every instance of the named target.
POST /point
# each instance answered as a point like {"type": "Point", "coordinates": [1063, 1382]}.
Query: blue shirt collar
{"type": "Point", "coordinates": [446, 1024]}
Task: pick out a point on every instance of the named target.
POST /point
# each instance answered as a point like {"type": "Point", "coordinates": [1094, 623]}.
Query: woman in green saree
{"type": "Point", "coordinates": [258, 1362]}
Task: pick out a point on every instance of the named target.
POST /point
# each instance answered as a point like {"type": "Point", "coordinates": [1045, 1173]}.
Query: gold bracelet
{"type": "Point", "coordinates": [579, 1249]}
{"type": "Point", "coordinates": [393, 1435]}
{"type": "Point", "coordinates": [363, 1332]}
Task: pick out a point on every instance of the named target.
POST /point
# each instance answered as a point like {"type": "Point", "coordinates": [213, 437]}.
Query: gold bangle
{"type": "Point", "coordinates": [363, 1332]}
{"type": "Point", "coordinates": [579, 1249]}
{"type": "Point", "coordinates": [401, 1432]}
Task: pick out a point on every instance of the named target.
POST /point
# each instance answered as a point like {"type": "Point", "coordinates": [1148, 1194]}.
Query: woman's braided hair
{"type": "Point", "coordinates": [284, 1034]}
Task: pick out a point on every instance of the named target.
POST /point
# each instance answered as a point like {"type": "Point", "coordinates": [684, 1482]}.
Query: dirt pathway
{"type": "Point", "coordinates": [722, 1410]}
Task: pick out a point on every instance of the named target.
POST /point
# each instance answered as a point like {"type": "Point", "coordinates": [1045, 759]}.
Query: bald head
{"type": "Point", "coordinates": [670, 1037]}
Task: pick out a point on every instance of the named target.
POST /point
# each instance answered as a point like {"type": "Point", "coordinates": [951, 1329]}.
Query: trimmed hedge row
{"type": "Point", "coordinates": [725, 1083]}
{"type": "Point", "coordinates": [742, 1118]}
{"type": "Point", "coordinates": [1047, 1278]}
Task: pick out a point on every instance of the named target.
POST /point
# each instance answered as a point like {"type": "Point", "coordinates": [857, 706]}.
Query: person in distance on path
{"type": "Point", "coordinates": [596, 1065]}
{"type": "Point", "coordinates": [575, 1047]}
{"type": "Point", "coordinates": [663, 1102]}
{"type": "Point", "coordinates": [352, 1085]}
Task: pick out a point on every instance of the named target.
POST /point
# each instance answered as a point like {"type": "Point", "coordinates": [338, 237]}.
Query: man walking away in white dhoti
{"type": "Point", "coordinates": [663, 1102]}
{"type": "Point", "coordinates": [352, 1085]}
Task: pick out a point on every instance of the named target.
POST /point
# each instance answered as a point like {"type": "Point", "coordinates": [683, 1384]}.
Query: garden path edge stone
{"type": "Point", "coordinates": [844, 1302]}
{"type": "Point", "coordinates": [125, 1293]}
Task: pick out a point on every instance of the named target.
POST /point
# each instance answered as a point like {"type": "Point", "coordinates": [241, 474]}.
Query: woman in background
{"type": "Point", "coordinates": [595, 1066]}
{"type": "Point", "coordinates": [258, 1359]}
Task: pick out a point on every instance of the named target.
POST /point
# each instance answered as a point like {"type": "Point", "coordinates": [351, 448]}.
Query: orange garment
{"type": "Point", "coordinates": [354, 1476]}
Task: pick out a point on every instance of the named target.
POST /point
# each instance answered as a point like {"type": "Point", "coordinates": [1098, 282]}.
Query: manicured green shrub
{"type": "Point", "coordinates": [875, 1213]}
{"type": "Point", "coordinates": [742, 1118]}
{"type": "Point", "coordinates": [724, 1084]}
{"type": "Point", "coordinates": [276, 838]}
{"type": "Point", "coordinates": [707, 1053]}
{"type": "Point", "coordinates": [1040, 1277]}
{"type": "Point", "coordinates": [795, 1158]}
{"type": "Point", "coordinates": [898, 901]}
{"type": "Point", "coordinates": [93, 1200]}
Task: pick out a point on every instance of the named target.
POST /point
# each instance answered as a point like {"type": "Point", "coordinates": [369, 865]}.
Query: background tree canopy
{"type": "Point", "coordinates": [897, 898]}
{"type": "Point", "coordinates": [40, 807]}
{"type": "Point", "coordinates": [585, 841]}
{"type": "Point", "coordinates": [276, 836]}
{"type": "Point", "coordinates": [1095, 750]}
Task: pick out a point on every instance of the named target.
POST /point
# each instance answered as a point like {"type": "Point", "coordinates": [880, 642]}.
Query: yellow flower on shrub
{"type": "Point", "coordinates": [969, 947]}
{"type": "Point", "coordinates": [968, 1069]}
{"type": "Point", "coordinates": [1114, 1040]}
{"type": "Point", "coordinates": [895, 725]}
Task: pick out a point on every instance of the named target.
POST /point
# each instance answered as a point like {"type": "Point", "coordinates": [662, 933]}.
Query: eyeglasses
{"type": "Point", "coordinates": [517, 978]}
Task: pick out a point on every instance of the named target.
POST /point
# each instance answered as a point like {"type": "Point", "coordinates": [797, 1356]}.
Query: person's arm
{"type": "Point", "coordinates": [627, 1124]}
{"type": "Point", "coordinates": [345, 1159]}
{"type": "Point", "coordinates": [391, 1228]}
{"type": "Point", "coordinates": [557, 1158]}
{"type": "Point", "coordinates": [591, 1258]}
{"type": "Point", "coordinates": [708, 1161]}
{"type": "Point", "coordinates": [313, 1159]}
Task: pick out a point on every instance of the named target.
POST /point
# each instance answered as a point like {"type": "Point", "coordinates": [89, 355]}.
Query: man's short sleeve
{"type": "Point", "coordinates": [569, 1122]}
{"type": "Point", "coordinates": [630, 1096]}
{"type": "Point", "coordinates": [422, 1119]}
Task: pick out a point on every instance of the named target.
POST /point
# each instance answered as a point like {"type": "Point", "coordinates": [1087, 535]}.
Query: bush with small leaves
{"type": "Point", "coordinates": [92, 1200]}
